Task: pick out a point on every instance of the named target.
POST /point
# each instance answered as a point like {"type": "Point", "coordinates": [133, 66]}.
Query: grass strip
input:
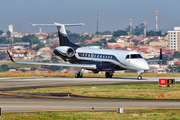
{"type": "Point", "coordinates": [127, 115]}
{"type": "Point", "coordinates": [140, 91]}
{"type": "Point", "coordinates": [55, 74]}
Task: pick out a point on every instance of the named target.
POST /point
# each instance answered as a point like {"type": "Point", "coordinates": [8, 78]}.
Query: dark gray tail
{"type": "Point", "coordinates": [64, 41]}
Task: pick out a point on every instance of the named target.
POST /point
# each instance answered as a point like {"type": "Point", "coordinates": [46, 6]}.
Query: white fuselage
{"type": "Point", "coordinates": [117, 57]}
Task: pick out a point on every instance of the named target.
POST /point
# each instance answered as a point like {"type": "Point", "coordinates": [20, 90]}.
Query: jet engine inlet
{"type": "Point", "coordinates": [70, 52]}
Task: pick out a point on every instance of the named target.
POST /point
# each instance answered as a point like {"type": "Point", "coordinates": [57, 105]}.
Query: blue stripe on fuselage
{"type": "Point", "coordinates": [100, 56]}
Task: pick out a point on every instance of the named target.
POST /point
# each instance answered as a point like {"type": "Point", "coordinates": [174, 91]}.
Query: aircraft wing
{"type": "Point", "coordinates": [85, 66]}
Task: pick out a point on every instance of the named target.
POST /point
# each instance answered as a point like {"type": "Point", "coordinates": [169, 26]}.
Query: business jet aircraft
{"type": "Point", "coordinates": [94, 58]}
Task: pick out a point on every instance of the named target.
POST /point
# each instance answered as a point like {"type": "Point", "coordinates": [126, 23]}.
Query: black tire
{"type": "Point", "coordinates": [139, 77]}
{"type": "Point", "coordinates": [107, 74]}
{"type": "Point", "coordinates": [77, 75]}
{"type": "Point", "coordinates": [110, 76]}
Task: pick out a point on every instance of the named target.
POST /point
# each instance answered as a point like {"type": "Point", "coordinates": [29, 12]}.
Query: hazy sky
{"type": "Point", "coordinates": [113, 14]}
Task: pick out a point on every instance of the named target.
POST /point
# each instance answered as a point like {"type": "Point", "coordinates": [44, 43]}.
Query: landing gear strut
{"type": "Point", "coordinates": [79, 73]}
{"type": "Point", "coordinates": [109, 74]}
{"type": "Point", "coordinates": [140, 72]}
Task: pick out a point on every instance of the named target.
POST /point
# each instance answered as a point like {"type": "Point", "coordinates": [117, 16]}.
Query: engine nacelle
{"type": "Point", "coordinates": [65, 51]}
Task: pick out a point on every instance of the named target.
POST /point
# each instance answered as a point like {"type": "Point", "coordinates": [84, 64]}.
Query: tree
{"type": "Point", "coordinates": [119, 33]}
{"type": "Point", "coordinates": [74, 37]}
{"type": "Point", "coordinates": [23, 70]}
{"type": "Point", "coordinates": [176, 55]}
{"type": "Point", "coordinates": [5, 67]}
{"type": "Point", "coordinates": [17, 40]}
{"type": "Point", "coordinates": [68, 32]}
{"type": "Point", "coordinates": [33, 68]}
{"type": "Point", "coordinates": [41, 45]}
{"type": "Point", "coordinates": [139, 29]}
{"type": "Point", "coordinates": [104, 33]}
{"type": "Point", "coordinates": [8, 34]}
{"type": "Point", "coordinates": [84, 38]}
{"type": "Point", "coordinates": [1, 32]}
{"type": "Point", "coordinates": [32, 39]}
{"type": "Point", "coordinates": [112, 40]}
{"type": "Point", "coordinates": [151, 33]}
{"type": "Point", "coordinates": [137, 33]}
{"type": "Point", "coordinates": [3, 40]}
{"type": "Point", "coordinates": [3, 55]}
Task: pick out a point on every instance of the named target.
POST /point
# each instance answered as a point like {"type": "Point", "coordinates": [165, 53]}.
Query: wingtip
{"type": "Point", "coordinates": [10, 56]}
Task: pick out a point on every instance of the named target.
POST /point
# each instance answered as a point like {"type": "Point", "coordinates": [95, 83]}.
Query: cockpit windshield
{"type": "Point", "coordinates": [133, 56]}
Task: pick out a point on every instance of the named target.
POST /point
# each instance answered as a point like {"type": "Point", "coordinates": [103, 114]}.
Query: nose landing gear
{"type": "Point", "coordinates": [140, 72]}
{"type": "Point", "coordinates": [139, 77]}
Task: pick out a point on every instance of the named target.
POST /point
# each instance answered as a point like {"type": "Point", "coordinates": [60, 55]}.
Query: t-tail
{"type": "Point", "coordinates": [63, 39]}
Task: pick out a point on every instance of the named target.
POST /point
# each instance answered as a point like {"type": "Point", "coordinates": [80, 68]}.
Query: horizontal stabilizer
{"type": "Point", "coordinates": [57, 25]}
{"type": "Point", "coordinates": [158, 60]}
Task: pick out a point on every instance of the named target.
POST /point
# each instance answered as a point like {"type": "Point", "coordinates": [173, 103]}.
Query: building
{"type": "Point", "coordinates": [11, 28]}
{"type": "Point", "coordinates": [174, 39]}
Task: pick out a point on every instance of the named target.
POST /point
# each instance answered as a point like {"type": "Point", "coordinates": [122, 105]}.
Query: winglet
{"type": "Point", "coordinates": [10, 56]}
{"type": "Point", "coordinates": [160, 54]}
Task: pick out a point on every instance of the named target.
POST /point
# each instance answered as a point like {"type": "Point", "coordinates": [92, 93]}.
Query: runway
{"type": "Point", "coordinates": [10, 103]}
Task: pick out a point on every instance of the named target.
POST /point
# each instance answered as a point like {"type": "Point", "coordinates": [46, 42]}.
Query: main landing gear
{"type": "Point", "coordinates": [79, 73]}
{"type": "Point", "coordinates": [109, 74]}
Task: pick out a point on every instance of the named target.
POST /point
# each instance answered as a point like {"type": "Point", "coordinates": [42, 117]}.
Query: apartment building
{"type": "Point", "coordinates": [174, 39]}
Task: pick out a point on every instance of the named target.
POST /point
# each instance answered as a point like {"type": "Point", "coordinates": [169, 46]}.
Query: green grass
{"type": "Point", "coordinates": [145, 91]}
{"type": "Point", "coordinates": [127, 115]}
{"type": "Point", "coordinates": [56, 74]}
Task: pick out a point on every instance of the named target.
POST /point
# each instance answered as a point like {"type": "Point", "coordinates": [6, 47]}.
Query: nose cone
{"type": "Point", "coordinates": [145, 66]}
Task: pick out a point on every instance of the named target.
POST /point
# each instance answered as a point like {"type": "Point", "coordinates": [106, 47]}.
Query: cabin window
{"type": "Point", "coordinates": [133, 56]}
{"type": "Point", "coordinates": [139, 56]}
{"type": "Point", "coordinates": [127, 57]}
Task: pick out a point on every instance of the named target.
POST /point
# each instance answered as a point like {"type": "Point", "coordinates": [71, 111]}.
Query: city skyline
{"type": "Point", "coordinates": [113, 15]}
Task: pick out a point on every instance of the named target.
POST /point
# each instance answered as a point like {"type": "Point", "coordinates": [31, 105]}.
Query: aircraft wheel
{"type": "Point", "coordinates": [110, 76]}
{"type": "Point", "coordinates": [80, 76]}
{"type": "Point", "coordinates": [107, 74]}
{"type": "Point", "coordinates": [139, 77]}
{"type": "Point", "coordinates": [76, 75]}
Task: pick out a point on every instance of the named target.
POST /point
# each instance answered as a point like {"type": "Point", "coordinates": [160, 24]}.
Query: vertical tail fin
{"type": "Point", "coordinates": [63, 39]}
